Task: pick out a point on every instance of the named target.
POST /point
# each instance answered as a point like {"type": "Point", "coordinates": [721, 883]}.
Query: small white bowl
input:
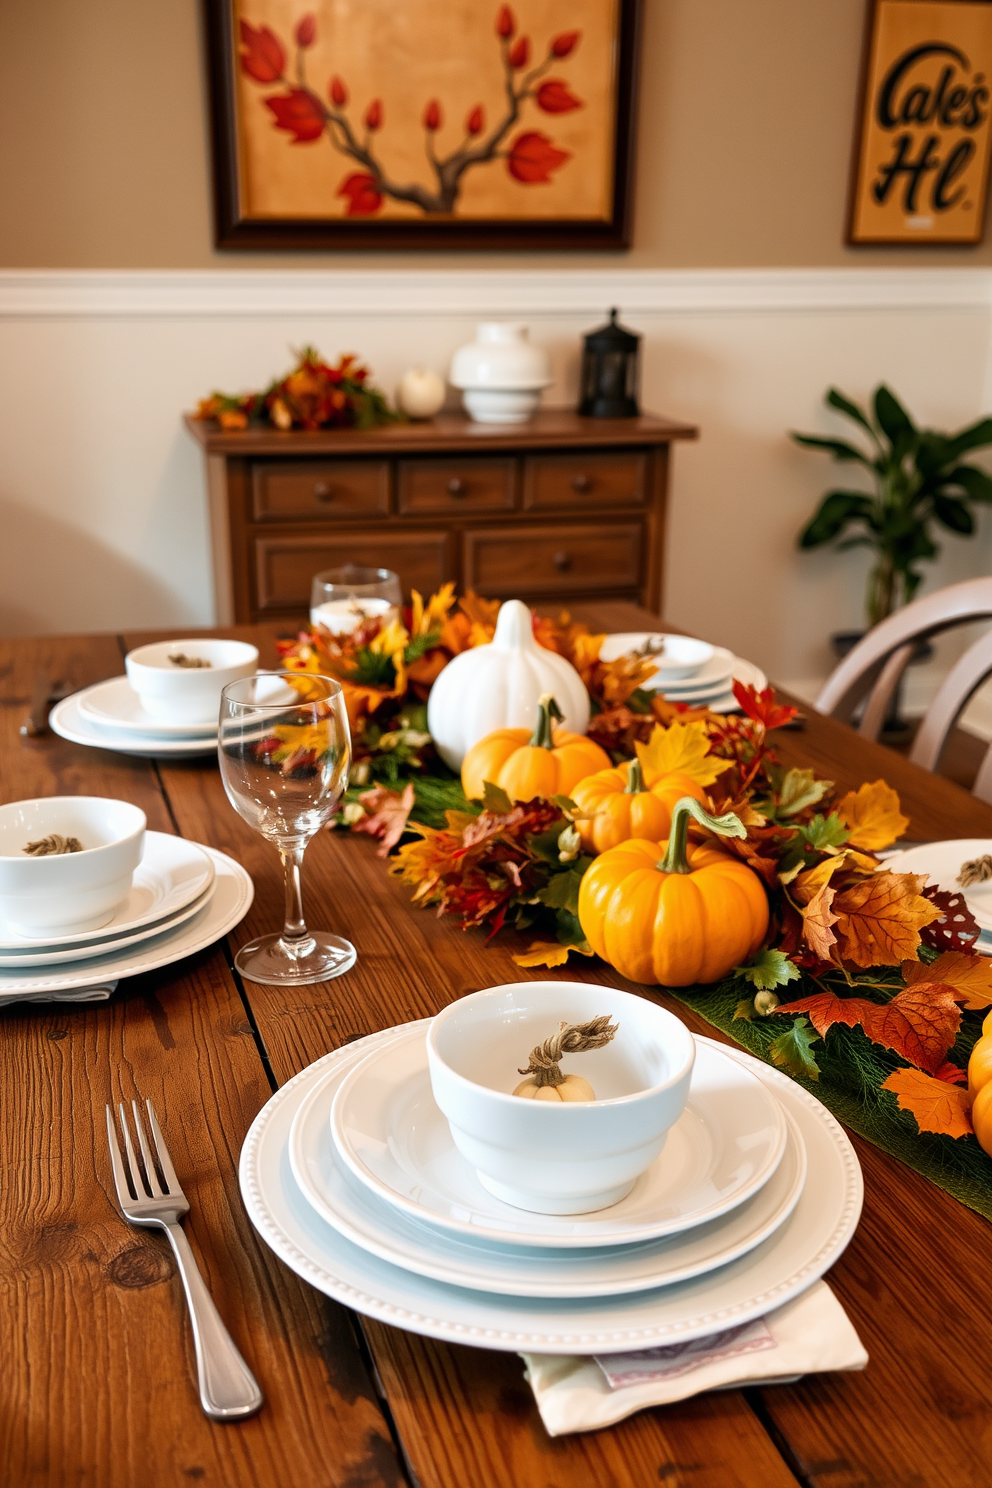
{"type": "Point", "coordinates": [552, 1157]}
{"type": "Point", "coordinates": [65, 892]}
{"type": "Point", "coordinates": [501, 405]}
{"type": "Point", "coordinates": [187, 694]}
{"type": "Point", "coordinates": [681, 657]}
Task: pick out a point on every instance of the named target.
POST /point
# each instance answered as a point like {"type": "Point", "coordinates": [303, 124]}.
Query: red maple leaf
{"type": "Point", "coordinates": [363, 199]}
{"type": "Point", "coordinates": [306, 30]}
{"type": "Point", "coordinates": [299, 113]}
{"type": "Point", "coordinates": [920, 1023]}
{"type": "Point", "coordinates": [762, 707]}
{"type": "Point", "coordinates": [262, 57]}
{"type": "Point", "coordinates": [554, 98]}
{"type": "Point", "coordinates": [533, 157]}
{"type": "Point", "coordinates": [957, 929]}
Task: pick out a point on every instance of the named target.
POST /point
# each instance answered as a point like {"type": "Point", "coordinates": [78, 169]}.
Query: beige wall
{"type": "Point", "coordinates": [746, 115]}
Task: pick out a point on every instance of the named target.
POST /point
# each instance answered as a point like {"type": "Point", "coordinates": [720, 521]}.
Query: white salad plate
{"type": "Point", "coordinates": [941, 862]}
{"type": "Point", "coordinates": [787, 1263]}
{"type": "Point", "coordinates": [172, 879]}
{"type": "Point", "coordinates": [389, 1131]}
{"type": "Point", "coordinates": [115, 705]}
{"type": "Point", "coordinates": [521, 1270]}
{"type": "Point", "coordinates": [69, 722]}
{"type": "Point", "coordinates": [226, 907]}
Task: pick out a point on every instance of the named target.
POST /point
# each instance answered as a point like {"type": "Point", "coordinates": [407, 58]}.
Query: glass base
{"type": "Point", "coordinates": [317, 959]}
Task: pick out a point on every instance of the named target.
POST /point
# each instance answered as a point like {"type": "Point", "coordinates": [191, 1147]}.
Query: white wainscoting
{"type": "Point", "coordinates": [102, 502]}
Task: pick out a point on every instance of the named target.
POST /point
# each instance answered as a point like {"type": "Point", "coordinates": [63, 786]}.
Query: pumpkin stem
{"type": "Point", "coordinates": [547, 709]}
{"type": "Point", "coordinates": [676, 859]}
{"type": "Point", "coordinates": [571, 1038]}
{"type": "Point", "coordinates": [635, 779]}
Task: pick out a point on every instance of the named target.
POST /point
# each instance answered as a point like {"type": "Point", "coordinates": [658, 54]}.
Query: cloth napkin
{"type": "Point", "coordinates": [809, 1335]}
{"type": "Point", "coordinates": [99, 992]}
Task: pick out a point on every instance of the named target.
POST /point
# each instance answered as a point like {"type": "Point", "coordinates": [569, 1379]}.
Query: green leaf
{"type": "Point", "coordinates": [839, 448]}
{"type": "Point", "coordinates": [799, 789]}
{"type": "Point", "coordinates": [891, 417]}
{"type": "Point", "coordinates": [564, 803]}
{"type": "Point", "coordinates": [977, 483]}
{"type": "Point", "coordinates": [844, 405]}
{"type": "Point", "coordinates": [745, 1009]}
{"type": "Point", "coordinates": [953, 514]}
{"type": "Point", "coordinates": [374, 668]}
{"type": "Point", "coordinates": [768, 969]}
{"type": "Point", "coordinates": [791, 1051]}
{"type": "Point", "coordinates": [570, 932]}
{"type": "Point", "coordinates": [833, 514]}
{"type": "Point", "coordinates": [562, 889]}
{"type": "Point", "coordinates": [932, 454]}
{"type": "Point", "coordinates": [976, 436]}
{"type": "Point", "coordinates": [495, 799]}
{"type": "Point", "coordinates": [825, 831]}
{"type": "Point", "coordinates": [420, 645]}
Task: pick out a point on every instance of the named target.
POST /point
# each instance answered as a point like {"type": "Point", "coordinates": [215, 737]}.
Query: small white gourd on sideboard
{"type": "Point", "coordinates": [500, 685]}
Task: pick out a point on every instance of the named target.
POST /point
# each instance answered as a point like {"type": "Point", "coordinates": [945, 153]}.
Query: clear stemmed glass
{"type": "Point", "coordinates": [342, 598]}
{"type": "Point", "coordinates": [285, 750]}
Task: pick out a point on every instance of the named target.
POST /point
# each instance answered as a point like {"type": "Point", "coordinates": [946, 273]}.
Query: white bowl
{"type": "Point", "coordinates": [187, 694]}
{"type": "Point", "coordinates": [500, 405]}
{"type": "Point", "coordinates": [64, 892]}
{"type": "Point", "coordinates": [552, 1157]}
{"type": "Point", "coordinates": [682, 656]}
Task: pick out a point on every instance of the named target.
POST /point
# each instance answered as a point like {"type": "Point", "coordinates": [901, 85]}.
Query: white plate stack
{"type": "Point", "coordinates": [942, 863]}
{"type": "Point", "coordinates": [109, 715]}
{"type": "Point", "coordinates": [689, 671]}
{"type": "Point", "coordinates": [350, 1174]}
{"type": "Point", "coordinates": [183, 897]}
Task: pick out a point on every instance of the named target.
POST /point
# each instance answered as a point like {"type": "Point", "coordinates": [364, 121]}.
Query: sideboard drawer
{"type": "Point", "coordinates": [282, 567]}
{"type": "Point", "coordinates": [426, 486]}
{"type": "Point", "coordinates": [327, 489]}
{"type": "Point", "coordinates": [546, 560]}
{"type": "Point", "coordinates": [566, 480]}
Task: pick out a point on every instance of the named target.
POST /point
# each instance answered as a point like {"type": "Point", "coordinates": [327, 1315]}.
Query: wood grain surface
{"type": "Point", "coordinates": [98, 1385]}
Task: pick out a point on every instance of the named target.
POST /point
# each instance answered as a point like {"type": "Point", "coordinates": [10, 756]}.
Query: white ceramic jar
{"type": "Point", "coordinates": [501, 373]}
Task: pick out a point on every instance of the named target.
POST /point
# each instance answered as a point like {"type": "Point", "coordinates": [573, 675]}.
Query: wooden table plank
{"type": "Point", "coordinates": [99, 1377]}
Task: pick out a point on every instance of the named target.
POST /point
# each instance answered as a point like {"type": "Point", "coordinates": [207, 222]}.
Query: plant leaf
{"type": "Point", "coordinates": [879, 919]}
{"type": "Point", "coordinates": [822, 832]}
{"type": "Point", "coordinates": [799, 789]}
{"type": "Point", "coordinates": [892, 418]}
{"type": "Point", "coordinates": [968, 977]}
{"type": "Point", "coordinates": [920, 1023]}
{"type": "Point", "coordinates": [544, 953]}
{"type": "Point", "coordinates": [745, 1009]}
{"type": "Point", "coordinates": [953, 514]}
{"type": "Point", "coordinates": [562, 889]}
{"type": "Point", "coordinates": [494, 798]}
{"type": "Point", "coordinates": [976, 483]}
{"type": "Point", "coordinates": [976, 436]}
{"type": "Point", "coordinates": [818, 922]}
{"type": "Point", "coordinates": [791, 1050]}
{"type": "Point", "coordinates": [836, 399]}
{"type": "Point", "coordinates": [957, 929]}
{"type": "Point", "coordinates": [768, 970]}
{"type": "Point", "coordinates": [833, 514]}
{"type": "Point", "coordinates": [681, 748]}
{"type": "Point", "coordinates": [872, 814]}
{"type": "Point", "coordinates": [839, 448]}
{"type": "Point", "coordinates": [762, 707]}
{"type": "Point", "coordinates": [936, 1105]}
{"type": "Point", "coordinates": [386, 815]}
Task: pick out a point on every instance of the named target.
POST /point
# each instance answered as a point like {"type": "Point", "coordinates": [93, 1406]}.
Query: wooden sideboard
{"type": "Point", "coordinates": [561, 507]}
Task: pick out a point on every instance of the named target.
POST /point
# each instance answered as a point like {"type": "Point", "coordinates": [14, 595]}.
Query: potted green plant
{"type": "Point", "coordinates": [916, 480]}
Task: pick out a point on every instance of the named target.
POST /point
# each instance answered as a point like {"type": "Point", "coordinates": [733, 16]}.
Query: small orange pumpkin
{"type": "Point", "coordinates": [625, 808]}
{"type": "Point", "coordinates": [980, 1086]}
{"type": "Point", "coordinates": [545, 763]}
{"type": "Point", "coordinates": [671, 913]}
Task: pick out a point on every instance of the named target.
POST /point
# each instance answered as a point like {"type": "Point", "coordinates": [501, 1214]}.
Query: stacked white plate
{"type": "Point", "coordinates": [109, 715]}
{"type": "Point", "coordinates": [689, 671]}
{"type": "Point", "coordinates": [183, 897]}
{"type": "Point", "coordinates": [941, 862]}
{"type": "Point", "coordinates": [349, 1173]}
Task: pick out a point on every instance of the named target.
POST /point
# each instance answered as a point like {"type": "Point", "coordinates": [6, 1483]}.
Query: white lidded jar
{"type": "Point", "coordinates": [501, 373]}
{"type": "Point", "coordinates": [500, 685]}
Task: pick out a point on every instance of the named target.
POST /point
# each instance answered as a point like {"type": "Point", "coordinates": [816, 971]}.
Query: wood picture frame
{"type": "Point", "coordinates": [308, 74]}
{"type": "Point", "coordinates": [920, 164]}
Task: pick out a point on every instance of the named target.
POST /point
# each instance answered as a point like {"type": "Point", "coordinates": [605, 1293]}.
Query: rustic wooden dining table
{"type": "Point", "coordinates": [97, 1381]}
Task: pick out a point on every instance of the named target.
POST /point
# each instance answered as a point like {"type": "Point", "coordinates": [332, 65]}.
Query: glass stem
{"type": "Point", "coordinates": [295, 932]}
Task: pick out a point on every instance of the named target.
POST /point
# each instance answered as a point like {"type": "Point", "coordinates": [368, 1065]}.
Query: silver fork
{"type": "Point", "coordinates": [150, 1194]}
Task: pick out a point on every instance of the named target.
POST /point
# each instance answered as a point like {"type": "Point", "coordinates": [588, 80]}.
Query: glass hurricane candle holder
{"type": "Point", "coordinates": [342, 598]}
{"type": "Point", "coordinates": [285, 750]}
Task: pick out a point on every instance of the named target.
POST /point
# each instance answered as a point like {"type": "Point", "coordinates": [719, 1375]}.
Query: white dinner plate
{"type": "Point", "coordinates": [941, 862]}
{"type": "Point", "coordinates": [516, 1269]}
{"type": "Point", "coordinates": [101, 948]}
{"type": "Point", "coordinates": [800, 1251]}
{"type": "Point", "coordinates": [70, 723]}
{"type": "Point", "coordinates": [391, 1134]}
{"type": "Point", "coordinates": [173, 875]}
{"type": "Point", "coordinates": [115, 705]}
{"type": "Point", "coordinates": [227, 906]}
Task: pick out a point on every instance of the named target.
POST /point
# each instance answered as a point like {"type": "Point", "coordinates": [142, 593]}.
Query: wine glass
{"type": "Point", "coordinates": [341, 599]}
{"type": "Point", "coordinates": [285, 750]}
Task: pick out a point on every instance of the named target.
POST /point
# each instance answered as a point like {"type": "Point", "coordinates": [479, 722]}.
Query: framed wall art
{"type": "Point", "coordinates": [408, 123]}
{"type": "Point", "coordinates": [921, 163]}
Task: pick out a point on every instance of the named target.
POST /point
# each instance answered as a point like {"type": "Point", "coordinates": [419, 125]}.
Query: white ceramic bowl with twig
{"type": "Point", "coordinates": [183, 680]}
{"type": "Point", "coordinates": [56, 893]}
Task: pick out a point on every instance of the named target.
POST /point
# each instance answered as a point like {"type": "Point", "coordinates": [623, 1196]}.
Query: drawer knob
{"type": "Point", "coordinates": [581, 482]}
{"type": "Point", "coordinates": [562, 562]}
{"type": "Point", "coordinates": [322, 491]}
{"type": "Point", "coordinates": [457, 486]}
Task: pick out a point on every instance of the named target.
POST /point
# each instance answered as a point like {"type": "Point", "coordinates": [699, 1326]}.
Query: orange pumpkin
{"type": "Point", "coordinates": [548, 762]}
{"type": "Point", "coordinates": [980, 1086]}
{"type": "Point", "coordinates": [624, 808]}
{"type": "Point", "coordinates": [671, 913]}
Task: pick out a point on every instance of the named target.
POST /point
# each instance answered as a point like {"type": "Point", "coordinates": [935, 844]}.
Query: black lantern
{"type": "Point", "coordinates": [609, 372]}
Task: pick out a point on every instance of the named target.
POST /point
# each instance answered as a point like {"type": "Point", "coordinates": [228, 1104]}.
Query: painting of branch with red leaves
{"type": "Point", "coordinates": [405, 123]}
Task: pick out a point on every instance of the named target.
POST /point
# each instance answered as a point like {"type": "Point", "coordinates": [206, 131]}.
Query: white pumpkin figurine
{"type": "Point", "coordinates": [499, 686]}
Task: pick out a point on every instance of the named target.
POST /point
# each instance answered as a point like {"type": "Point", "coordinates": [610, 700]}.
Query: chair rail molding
{"type": "Point", "coordinates": [254, 294]}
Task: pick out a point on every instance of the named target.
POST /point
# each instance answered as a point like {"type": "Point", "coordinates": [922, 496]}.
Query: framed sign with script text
{"type": "Point", "coordinates": [922, 158]}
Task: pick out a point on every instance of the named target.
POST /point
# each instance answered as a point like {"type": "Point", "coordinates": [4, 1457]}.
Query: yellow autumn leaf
{"type": "Point", "coordinates": [968, 976]}
{"type": "Point", "coordinates": [682, 748]}
{"type": "Point", "coordinates": [547, 953]}
{"type": "Point", "coordinates": [872, 813]}
{"type": "Point", "coordinates": [812, 880]}
{"type": "Point", "coordinates": [937, 1106]}
{"type": "Point", "coordinates": [879, 920]}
